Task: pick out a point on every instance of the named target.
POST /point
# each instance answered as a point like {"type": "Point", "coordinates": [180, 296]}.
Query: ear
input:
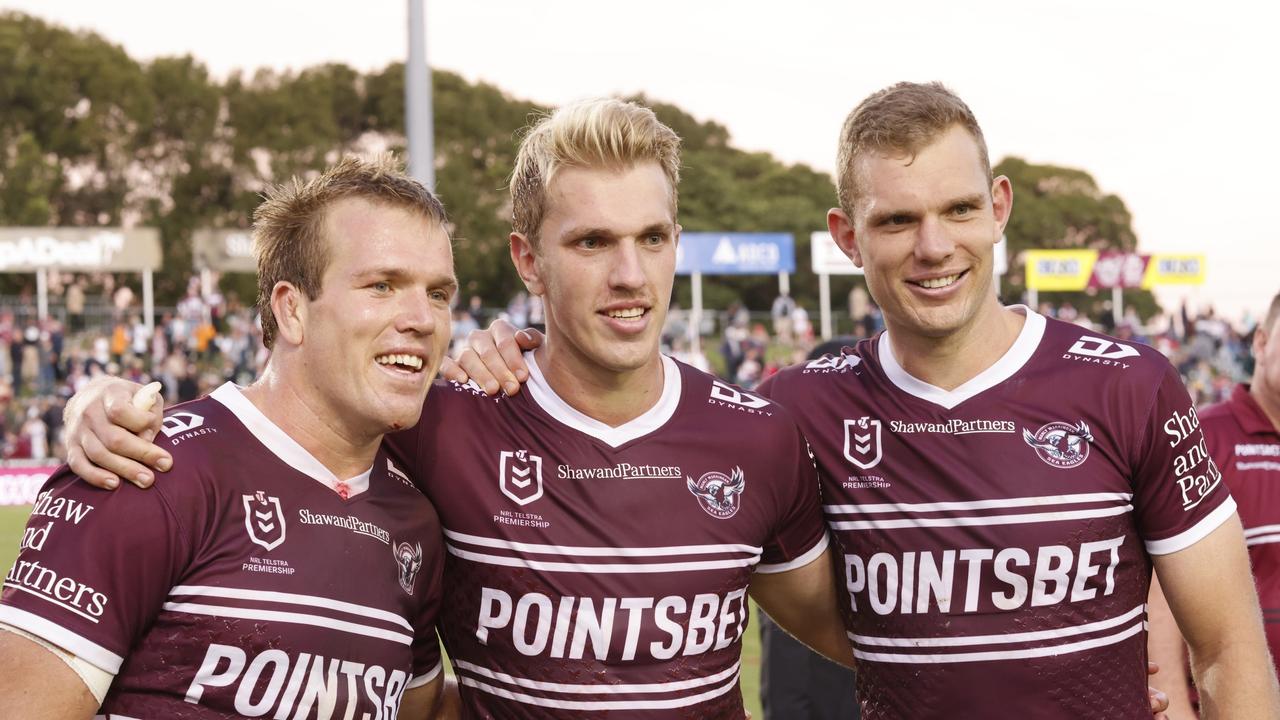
{"type": "Point", "coordinates": [1001, 201]}
{"type": "Point", "coordinates": [524, 257]}
{"type": "Point", "coordinates": [289, 305]}
{"type": "Point", "coordinates": [1260, 340]}
{"type": "Point", "coordinates": [840, 225]}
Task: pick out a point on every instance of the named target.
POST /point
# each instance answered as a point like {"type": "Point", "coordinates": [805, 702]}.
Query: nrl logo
{"type": "Point", "coordinates": [264, 519]}
{"type": "Point", "coordinates": [1059, 444]}
{"type": "Point", "coordinates": [719, 495]}
{"type": "Point", "coordinates": [520, 476]}
{"type": "Point", "coordinates": [862, 445]}
{"type": "Point", "coordinates": [408, 562]}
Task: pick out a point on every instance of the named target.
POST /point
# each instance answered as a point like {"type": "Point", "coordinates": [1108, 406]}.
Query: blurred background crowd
{"type": "Point", "coordinates": [95, 326]}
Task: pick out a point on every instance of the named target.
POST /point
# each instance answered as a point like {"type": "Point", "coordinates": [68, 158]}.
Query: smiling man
{"type": "Point", "coordinates": [997, 497]}
{"type": "Point", "coordinates": [288, 568]}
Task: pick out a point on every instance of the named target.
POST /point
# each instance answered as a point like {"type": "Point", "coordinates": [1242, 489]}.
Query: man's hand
{"type": "Point", "coordinates": [1159, 701]}
{"type": "Point", "coordinates": [110, 425]}
{"type": "Point", "coordinates": [493, 358]}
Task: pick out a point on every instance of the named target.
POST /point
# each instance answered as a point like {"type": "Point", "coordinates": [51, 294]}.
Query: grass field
{"type": "Point", "coordinates": [14, 519]}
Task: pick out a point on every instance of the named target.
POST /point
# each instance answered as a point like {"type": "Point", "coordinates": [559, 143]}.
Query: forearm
{"type": "Point", "coordinates": [1166, 648]}
{"type": "Point", "coordinates": [1236, 679]}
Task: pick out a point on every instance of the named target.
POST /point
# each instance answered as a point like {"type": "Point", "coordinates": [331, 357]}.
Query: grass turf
{"type": "Point", "coordinates": [14, 518]}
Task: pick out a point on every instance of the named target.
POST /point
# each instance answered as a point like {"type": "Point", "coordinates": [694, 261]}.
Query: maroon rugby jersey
{"type": "Point", "coordinates": [995, 538]}
{"type": "Point", "coordinates": [599, 570]}
{"type": "Point", "coordinates": [241, 584]}
{"type": "Point", "coordinates": [1246, 446]}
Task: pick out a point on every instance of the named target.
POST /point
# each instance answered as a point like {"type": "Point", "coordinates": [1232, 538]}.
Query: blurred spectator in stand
{"type": "Point", "coordinates": [518, 310]}
{"type": "Point", "coordinates": [75, 305]}
{"type": "Point", "coordinates": [780, 313]}
{"type": "Point", "coordinates": [859, 306]}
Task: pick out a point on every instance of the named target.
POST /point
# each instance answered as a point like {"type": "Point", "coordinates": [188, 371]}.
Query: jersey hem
{"type": "Point", "coordinates": [47, 630]}
{"type": "Point", "coordinates": [804, 559]}
{"type": "Point", "coordinates": [1194, 534]}
{"type": "Point", "coordinates": [428, 676]}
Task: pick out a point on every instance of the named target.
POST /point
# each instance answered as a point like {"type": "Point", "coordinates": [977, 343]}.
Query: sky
{"type": "Point", "coordinates": [1170, 105]}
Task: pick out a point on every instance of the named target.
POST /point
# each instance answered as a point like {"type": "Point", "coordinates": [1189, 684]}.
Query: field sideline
{"type": "Point", "coordinates": [14, 519]}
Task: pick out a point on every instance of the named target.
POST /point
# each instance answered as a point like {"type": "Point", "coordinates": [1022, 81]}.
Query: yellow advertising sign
{"type": "Point", "coordinates": [1174, 269]}
{"type": "Point", "coordinates": [1059, 269]}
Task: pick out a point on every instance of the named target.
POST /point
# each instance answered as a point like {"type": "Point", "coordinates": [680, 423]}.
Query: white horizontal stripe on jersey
{"type": "Point", "coordinates": [1261, 530]}
{"type": "Point", "coordinates": [999, 638]}
{"type": "Point", "coordinates": [113, 716]}
{"type": "Point", "coordinates": [981, 520]}
{"type": "Point", "coordinates": [598, 688]}
{"type": "Point", "coordinates": [800, 561]}
{"type": "Point", "coordinates": [601, 704]}
{"type": "Point", "coordinates": [990, 655]}
{"type": "Point", "coordinates": [55, 634]}
{"type": "Point", "coordinates": [320, 621]}
{"type": "Point", "coordinates": [1034, 501]}
{"type": "Point", "coordinates": [291, 599]}
{"type": "Point", "coordinates": [1195, 533]}
{"type": "Point", "coordinates": [687, 566]}
{"type": "Point", "coordinates": [597, 551]}
{"type": "Point", "coordinates": [1262, 540]}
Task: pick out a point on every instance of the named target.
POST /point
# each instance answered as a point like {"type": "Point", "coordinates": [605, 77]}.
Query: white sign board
{"type": "Point", "coordinates": [828, 258]}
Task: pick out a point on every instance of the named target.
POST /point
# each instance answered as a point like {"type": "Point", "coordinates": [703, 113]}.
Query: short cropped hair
{"type": "Point", "coordinates": [287, 236]}
{"type": "Point", "coordinates": [903, 118]}
{"type": "Point", "coordinates": [603, 133]}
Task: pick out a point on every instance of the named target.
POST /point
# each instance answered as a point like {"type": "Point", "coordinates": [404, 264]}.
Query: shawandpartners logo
{"type": "Point", "coordinates": [620, 471]}
{"type": "Point", "coordinates": [954, 426]}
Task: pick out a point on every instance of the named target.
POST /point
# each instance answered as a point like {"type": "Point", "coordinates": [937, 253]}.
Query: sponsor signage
{"type": "Point", "coordinates": [224, 251]}
{"type": "Point", "coordinates": [1082, 269]}
{"type": "Point", "coordinates": [712, 253]}
{"type": "Point", "coordinates": [827, 258]}
{"type": "Point", "coordinates": [21, 485]}
{"type": "Point", "coordinates": [28, 249]}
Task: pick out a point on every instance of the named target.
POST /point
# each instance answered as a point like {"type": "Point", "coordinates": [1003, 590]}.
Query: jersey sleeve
{"type": "Point", "coordinates": [427, 662]}
{"type": "Point", "coordinates": [1179, 496]}
{"type": "Point", "coordinates": [94, 568]}
{"type": "Point", "coordinates": [800, 535]}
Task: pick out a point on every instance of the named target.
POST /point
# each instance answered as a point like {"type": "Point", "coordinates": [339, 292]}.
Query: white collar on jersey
{"type": "Point", "coordinates": [652, 419]}
{"type": "Point", "coordinates": [1004, 368]}
{"type": "Point", "coordinates": [281, 445]}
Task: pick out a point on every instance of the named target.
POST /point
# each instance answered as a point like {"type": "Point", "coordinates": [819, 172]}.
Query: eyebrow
{"type": "Point", "coordinates": [977, 200]}
{"type": "Point", "coordinates": [589, 231]}
{"type": "Point", "coordinates": [396, 273]}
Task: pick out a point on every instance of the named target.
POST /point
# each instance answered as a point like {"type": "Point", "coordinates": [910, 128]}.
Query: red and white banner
{"type": "Point", "coordinates": [19, 485]}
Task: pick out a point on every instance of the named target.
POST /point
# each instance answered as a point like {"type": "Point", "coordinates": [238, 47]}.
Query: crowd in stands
{"type": "Point", "coordinates": [95, 326]}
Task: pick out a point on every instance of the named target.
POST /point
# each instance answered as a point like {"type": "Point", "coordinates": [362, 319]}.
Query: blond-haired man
{"type": "Point", "coordinates": [288, 567]}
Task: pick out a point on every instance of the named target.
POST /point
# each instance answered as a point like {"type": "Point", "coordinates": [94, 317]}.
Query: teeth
{"type": "Point", "coordinates": [409, 361]}
{"type": "Point", "coordinates": [634, 312]}
{"type": "Point", "coordinates": [939, 282]}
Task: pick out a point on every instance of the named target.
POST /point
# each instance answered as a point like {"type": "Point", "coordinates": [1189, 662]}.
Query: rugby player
{"type": "Point", "coordinates": [1000, 484]}
{"type": "Point", "coordinates": [603, 529]}
{"type": "Point", "coordinates": [1242, 435]}
{"type": "Point", "coordinates": [287, 568]}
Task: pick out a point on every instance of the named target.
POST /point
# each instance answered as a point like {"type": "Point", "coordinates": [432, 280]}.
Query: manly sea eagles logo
{"type": "Point", "coordinates": [408, 562]}
{"type": "Point", "coordinates": [1059, 444]}
{"type": "Point", "coordinates": [862, 442]}
{"type": "Point", "coordinates": [264, 519]}
{"type": "Point", "coordinates": [718, 494]}
{"type": "Point", "coordinates": [520, 476]}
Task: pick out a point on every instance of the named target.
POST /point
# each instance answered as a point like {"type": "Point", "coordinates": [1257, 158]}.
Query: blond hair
{"type": "Point", "coordinates": [287, 236]}
{"type": "Point", "coordinates": [602, 133]}
{"type": "Point", "coordinates": [904, 118]}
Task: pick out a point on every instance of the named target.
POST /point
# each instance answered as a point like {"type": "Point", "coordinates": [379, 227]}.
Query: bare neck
{"type": "Point", "coordinates": [951, 361]}
{"type": "Point", "coordinates": [610, 397]}
{"type": "Point", "coordinates": [312, 424]}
